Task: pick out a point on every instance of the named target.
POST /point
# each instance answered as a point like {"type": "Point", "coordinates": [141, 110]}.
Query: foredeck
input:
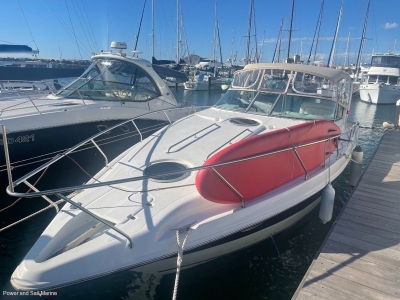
{"type": "Point", "coordinates": [360, 259]}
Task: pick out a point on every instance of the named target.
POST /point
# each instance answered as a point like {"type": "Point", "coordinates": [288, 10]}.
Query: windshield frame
{"type": "Point", "coordinates": [324, 96]}
{"type": "Point", "coordinates": [86, 87]}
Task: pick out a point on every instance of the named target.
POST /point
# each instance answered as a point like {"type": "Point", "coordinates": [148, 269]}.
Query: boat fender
{"type": "Point", "coordinates": [355, 166]}
{"type": "Point", "coordinates": [327, 201]}
{"type": "Point", "coordinates": [388, 125]}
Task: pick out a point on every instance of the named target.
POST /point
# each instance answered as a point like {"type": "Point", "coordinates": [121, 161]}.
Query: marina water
{"type": "Point", "coordinates": [271, 269]}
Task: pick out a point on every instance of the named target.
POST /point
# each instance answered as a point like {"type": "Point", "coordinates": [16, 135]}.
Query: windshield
{"type": "Point", "coordinates": [247, 101]}
{"type": "Point", "coordinates": [108, 79]}
{"type": "Point", "coordinates": [293, 106]}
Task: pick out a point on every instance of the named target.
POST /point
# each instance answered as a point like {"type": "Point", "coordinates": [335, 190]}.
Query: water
{"type": "Point", "coordinates": [263, 271]}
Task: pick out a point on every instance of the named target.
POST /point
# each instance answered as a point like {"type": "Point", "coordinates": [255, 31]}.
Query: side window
{"type": "Point", "coordinates": [392, 79]}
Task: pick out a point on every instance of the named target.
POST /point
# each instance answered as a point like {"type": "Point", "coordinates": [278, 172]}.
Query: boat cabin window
{"type": "Point", "coordinates": [386, 61]}
{"type": "Point", "coordinates": [109, 79]}
{"type": "Point", "coordinates": [372, 78]}
{"type": "Point", "coordinates": [292, 106]}
{"type": "Point", "coordinates": [247, 79]}
{"type": "Point", "coordinates": [274, 81]}
{"type": "Point", "coordinates": [393, 80]}
{"type": "Point", "coordinates": [382, 79]}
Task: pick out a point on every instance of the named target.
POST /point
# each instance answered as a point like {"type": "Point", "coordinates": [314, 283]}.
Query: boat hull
{"type": "Point", "coordinates": [28, 149]}
{"type": "Point", "coordinates": [379, 93]}
{"type": "Point", "coordinates": [199, 86]}
{"type": "Point", "coordinates": [235, 242]}
{"type": "Point", "coordinates": [202, 253]}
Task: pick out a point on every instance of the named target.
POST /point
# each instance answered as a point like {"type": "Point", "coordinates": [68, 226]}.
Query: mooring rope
{"type": "Point", "coordinates": [180, 258]}
{"type": "Point", "coordinates": [36, 182]}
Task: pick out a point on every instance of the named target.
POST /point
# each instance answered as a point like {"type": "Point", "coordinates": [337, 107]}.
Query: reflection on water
{"type": "Point", "coordinates": [267, 270]}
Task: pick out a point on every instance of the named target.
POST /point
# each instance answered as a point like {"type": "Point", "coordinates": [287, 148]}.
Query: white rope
{"type": "Point", "coordinates": [179, 259]}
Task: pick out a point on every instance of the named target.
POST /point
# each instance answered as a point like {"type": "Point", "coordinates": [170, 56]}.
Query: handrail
{"type": "Point", "coordinates": [30, 100]}
{"type": "Point", "coordinates": [44, 197]}
{"type": "Point", "coordinates": [77, 205]}
{"type": "Point", "coordinates": [7, 156]}
{"type": "Point", "coordinates": [193, 135]}
{"type": "Point", "coordinates": [124, 180]}
{"type": "Point", "coordinates": [58, 192]}
{"type": "Point", "coordinates": [231, 187]}
{"type": "Point", "coordinates": [229, 142]}
{"type": "Point", "coordinates": [101, 152]}
{"type": "Point", "coordinates": [70, 150]}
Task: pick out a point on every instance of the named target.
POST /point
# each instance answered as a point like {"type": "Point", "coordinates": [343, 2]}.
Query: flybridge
{"type": "Point", "coordinates": [6, 48]}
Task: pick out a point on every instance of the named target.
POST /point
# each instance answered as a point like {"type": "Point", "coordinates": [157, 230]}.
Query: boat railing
{"type": "Point", "coordinates": [21, 94]}
{"type": "Point", "coordinates": [118, 95]}
{"type": "Point", "coordinates": [229, 142]}
{"type": "Point", "coordinates": [190, 110]}
{"type": "Point", "coordinates": [60, 191]}
{"type": "Point", "coordinates": [11, 192]}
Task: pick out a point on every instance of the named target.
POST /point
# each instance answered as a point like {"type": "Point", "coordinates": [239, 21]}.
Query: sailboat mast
{"type": "Point", "coordinates": [215, 34]}
{"type": "Point", "coordinates": [255, 35]}
{"type": "Point", "coordinates": [233, 45]}
{"type": "Point", "coordinates": [316, 34]}
{"type": "Point", "coordinates": [278, 42]}
{"type": "Point", "coordinates": [219, 45]}
{"type": "Point", "coordinates": [346, 58]}
{"type": "Point", "coordinates": [290, 30]}
{"type": "Point", "coordinates": [177, 33]}
{"type": "Point", "coordinates": [360, 51]}
{"type": "Point", "coordinates": [332, 53]}
{"type": "Point", "coordinates": [248, 33]}
{"type": "Point", "coordinates": [152, 28]}
{"type": "Point", "coordinates": [140, 26]}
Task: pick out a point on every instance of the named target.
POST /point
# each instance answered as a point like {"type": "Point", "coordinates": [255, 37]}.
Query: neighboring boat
{"type": "Point", "coordinates": [26, 85]}
{"type": "Point", "coordinates": [231, 176]}
{"type": "Point", "coordinates": [36, 69]}
{"type": "Point", "coordinates": [114, 88]}
{"type": "Point", "coordinates": [381, 85]}
{"type": "Point", "coordinates": [202, 82]}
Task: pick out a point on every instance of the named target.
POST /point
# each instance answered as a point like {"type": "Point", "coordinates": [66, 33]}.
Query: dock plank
{"type": "Point", "coordinates": [360, 259]}
{"type": "Point", "coordinates": [374, 257]}
{"type": "Point", "coordinates": [317, 290]}
{"type": "Point", "coordinates": [378, 212]}
{"type": "Point", "coordinates": [369, 200]}
{"type": "Point", "coordinates": [367, 237]}
{"type": "Point", "coordinates": [359, 277]}
{"type": "Point", "coordinates": [377, 224]}
{"type": "Point", "coordinates": [395, 237]}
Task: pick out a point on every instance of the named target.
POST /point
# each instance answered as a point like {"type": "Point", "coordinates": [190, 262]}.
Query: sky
{"type": "Point", "coordinates": [74, 29]}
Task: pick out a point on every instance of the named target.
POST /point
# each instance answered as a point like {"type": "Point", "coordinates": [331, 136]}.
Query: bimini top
{"type": "Point", "coordinates": [333, 75]}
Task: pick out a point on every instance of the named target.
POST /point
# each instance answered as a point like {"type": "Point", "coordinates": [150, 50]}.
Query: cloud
{"type": "Point", "coordinates": [390, 25]}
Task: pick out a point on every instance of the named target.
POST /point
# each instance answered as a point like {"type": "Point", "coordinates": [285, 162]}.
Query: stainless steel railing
{"type": "Point", "coordinates": [59, 191]}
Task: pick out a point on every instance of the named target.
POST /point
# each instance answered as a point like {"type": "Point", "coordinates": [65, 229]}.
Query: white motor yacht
{"type": "Point", "coordinates": [382, 81]}
{"type": "Point", "coordinates": [213, 182]}
{"type": "Point", "coordinates": [114, 88]}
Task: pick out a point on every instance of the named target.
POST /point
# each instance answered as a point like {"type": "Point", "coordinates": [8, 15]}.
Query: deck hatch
{"type": "Point", "coordinates": [164, 167]}
{"type": "Point", "coordinates": [243, 122]}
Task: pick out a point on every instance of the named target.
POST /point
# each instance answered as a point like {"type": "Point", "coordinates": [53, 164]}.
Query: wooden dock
{"type": "Point", "coordinates": [360, 259]}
